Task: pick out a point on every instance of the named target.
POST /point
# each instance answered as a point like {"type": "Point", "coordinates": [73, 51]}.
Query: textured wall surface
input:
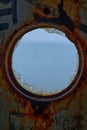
{"type": "Point", "coordinates": [65, 111]}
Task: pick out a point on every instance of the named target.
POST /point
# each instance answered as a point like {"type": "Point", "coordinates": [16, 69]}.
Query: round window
{"type": "Point", "coordinates": [45, 63]}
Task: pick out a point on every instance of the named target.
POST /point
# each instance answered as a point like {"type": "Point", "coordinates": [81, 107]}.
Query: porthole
{"type": "Point", "coordinates": [43, 64]}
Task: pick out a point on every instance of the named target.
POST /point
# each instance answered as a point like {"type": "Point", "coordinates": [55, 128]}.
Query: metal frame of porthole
{"type": "Point", "coordinates": [11, 78]}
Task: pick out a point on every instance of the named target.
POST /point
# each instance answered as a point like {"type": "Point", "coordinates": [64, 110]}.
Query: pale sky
{"type": "Point", "coordinates": [46, 61]}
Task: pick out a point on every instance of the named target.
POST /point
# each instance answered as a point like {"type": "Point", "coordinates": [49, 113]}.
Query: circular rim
{"type": "Point", "coordinates": [14, 83]}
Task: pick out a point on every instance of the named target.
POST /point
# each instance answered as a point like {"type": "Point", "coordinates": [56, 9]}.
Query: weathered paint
{"type": "Point", "coordinates": [17, 111]}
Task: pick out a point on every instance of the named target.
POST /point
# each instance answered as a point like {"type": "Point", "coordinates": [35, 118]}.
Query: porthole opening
{"type": "Point", "coordinates": [44, 63]}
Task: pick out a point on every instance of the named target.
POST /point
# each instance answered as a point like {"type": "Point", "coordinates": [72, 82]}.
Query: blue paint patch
{"type": "Point", "coordinates": [14, 11]}
{"type": "Point", "coordinates": [9, 11]}
{"type": "Point", "coordinates": [4, 26]}
{"type": "Point", "coordinates": [83, 28]}
{"type": "Point", "coordinates": [4, 12]}
{"type": "Point", "coordinates": [5, 1]}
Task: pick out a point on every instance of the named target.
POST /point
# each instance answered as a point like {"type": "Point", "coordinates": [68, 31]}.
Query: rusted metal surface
{"type": "Point", "coordinates": [19, 112]}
